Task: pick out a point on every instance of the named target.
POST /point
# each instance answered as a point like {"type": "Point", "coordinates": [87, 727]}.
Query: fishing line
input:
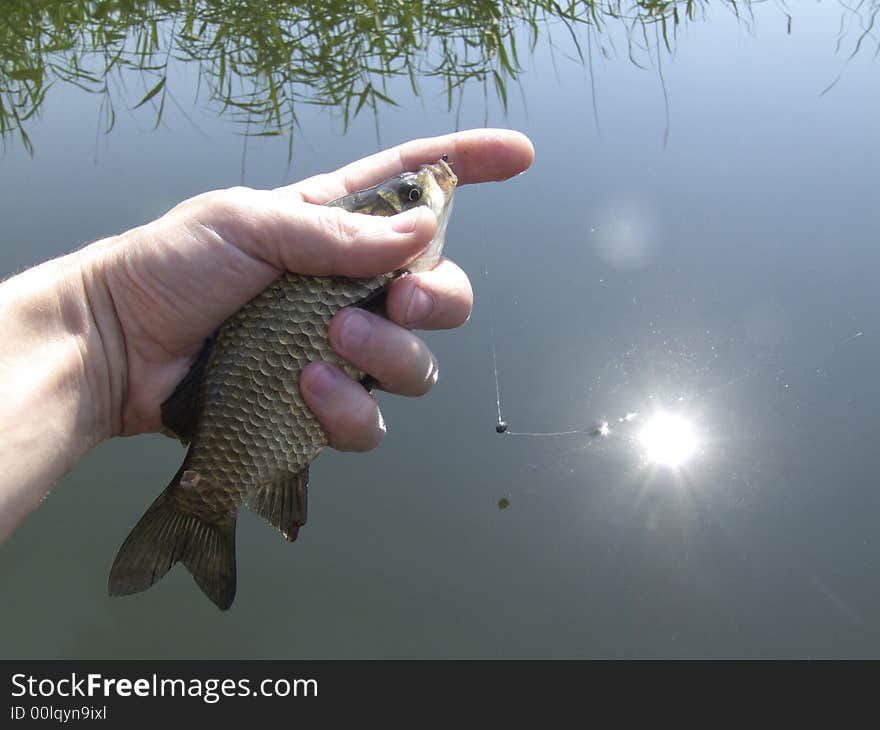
{"type": "Point", "coordinates": [494, 351]}
{"type": "Point", "coordinates": [501, 424]}
{"type": "Point", "coordinates": [592, 432]}
{"type": "Point", "coordinates": [601, 427]}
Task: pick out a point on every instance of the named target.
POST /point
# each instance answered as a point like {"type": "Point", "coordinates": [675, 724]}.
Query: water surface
{"type": "Point", "coordinates": [697, 237]}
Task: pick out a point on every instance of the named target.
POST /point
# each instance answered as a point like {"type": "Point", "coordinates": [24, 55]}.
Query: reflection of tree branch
{"type": "Point", "coordinates": [867, 27]}
{"type": "Point", "coordinates": [258, 62]}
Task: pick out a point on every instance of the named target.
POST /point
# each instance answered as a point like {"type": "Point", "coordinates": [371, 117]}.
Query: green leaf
{"type": "Point", "coordinates": [26, 142]}
{"type": "Point", "coordinates": [383, 97]}
{"type": "Point", "coordinates": [151, 93]}
{"type": "Point", "coordinates": [499, 87]}
{"type": "Point", "coordinates": [362, 99]}
{"type": "Point", "coordinates": [26, 74]}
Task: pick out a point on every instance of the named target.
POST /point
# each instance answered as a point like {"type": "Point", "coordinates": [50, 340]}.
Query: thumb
{"type": "Point", "coordinates": [314, 239]}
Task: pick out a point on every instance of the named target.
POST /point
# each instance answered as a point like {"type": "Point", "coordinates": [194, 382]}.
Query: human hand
{"type": "Point", "coordinates": [156, 292]}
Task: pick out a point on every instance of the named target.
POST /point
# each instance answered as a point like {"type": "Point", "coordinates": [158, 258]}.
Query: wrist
{"type": "Point", "coordinates": [102, 342]}
{"type": "Point", "coordinates": [55, 356]}
{"type": "Point", "coordinates": [55, 382]}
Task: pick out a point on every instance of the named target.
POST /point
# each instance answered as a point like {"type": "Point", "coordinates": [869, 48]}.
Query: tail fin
{"type": "Point", "coordinates": [164, 536]}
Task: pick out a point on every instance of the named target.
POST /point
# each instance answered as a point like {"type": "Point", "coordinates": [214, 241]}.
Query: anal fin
{"type": "Point", "coordinates": [283, 502]}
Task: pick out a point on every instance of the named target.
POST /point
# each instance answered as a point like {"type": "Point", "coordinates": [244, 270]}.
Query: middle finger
{"type": "Point", "coordinates": [396, 358]}
{"type": "Point", "coordinates": [438, 299]}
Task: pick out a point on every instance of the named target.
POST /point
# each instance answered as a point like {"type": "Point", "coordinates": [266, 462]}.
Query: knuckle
{"type": "Point", "coordinates": [239, 191]}
{"type": "Point", "coordinates": [235, 197]}
{"type": "Point", "coordinates": [223, 206]}
{"type": "Point", "coordinates": [339, 228]}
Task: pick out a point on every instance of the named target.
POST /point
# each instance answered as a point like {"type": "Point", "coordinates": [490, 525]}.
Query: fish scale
{"type": "Point", "coordinates": [250, 434]}
{"type": "Point", "coordinates": [260, 414]}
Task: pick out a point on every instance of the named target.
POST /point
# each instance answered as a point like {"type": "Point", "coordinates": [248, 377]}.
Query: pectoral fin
{"type": "Point", "coordinates": [181, 410]}
{"type": "Point", "coordinates": [283, 502]}
{"type": "Point", "coordinates": [375, 303]}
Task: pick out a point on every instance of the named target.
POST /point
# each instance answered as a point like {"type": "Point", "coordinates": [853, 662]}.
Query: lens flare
{"type": "Point", "coordinates": [668, 440]}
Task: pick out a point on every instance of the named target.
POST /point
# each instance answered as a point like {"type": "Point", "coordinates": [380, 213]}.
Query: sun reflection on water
{"type": "Point", "coordinates": [669, 439]}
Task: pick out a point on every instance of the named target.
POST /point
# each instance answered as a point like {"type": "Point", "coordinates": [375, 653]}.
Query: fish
{"type": "Point", "coordinates": [249, 433]}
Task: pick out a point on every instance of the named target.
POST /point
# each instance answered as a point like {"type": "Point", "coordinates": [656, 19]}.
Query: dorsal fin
{"type": "Point", "coordinates": [180, 411]}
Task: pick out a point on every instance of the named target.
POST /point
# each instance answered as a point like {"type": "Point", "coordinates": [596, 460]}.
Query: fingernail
{"type": "Point", "coordinates": [406, 222]}
{"type": "Point", "coordinates": [322, 379]}
{"type": "Point", "coordinates": [355, 331]}
{"type": "Point", "coordinates": [420, 306]}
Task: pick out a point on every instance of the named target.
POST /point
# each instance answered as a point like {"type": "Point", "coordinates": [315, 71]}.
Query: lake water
{"type": "Point", "coordinates": [697, 242]}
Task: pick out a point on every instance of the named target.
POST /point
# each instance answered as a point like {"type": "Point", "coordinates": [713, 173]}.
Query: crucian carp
{"type": "Point", "coordinates": [250, 435]}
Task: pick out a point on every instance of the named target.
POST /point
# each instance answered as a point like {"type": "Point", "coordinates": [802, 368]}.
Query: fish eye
{"type": "Point", "coordinates": [415, 192]}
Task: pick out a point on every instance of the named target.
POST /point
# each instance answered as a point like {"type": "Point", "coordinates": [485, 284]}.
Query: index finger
{"type": "Point", "coordinates": [476, 155]}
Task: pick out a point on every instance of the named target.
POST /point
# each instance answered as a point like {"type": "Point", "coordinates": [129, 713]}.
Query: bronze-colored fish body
{"type": "Point", "coordinates": [251, 436]}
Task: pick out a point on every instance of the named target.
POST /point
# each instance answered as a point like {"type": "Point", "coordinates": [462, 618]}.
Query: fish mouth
{"type": "Point", "coordinates": [445, 177]}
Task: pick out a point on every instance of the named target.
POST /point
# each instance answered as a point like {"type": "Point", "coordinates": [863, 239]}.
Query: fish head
{"type": "Point", "coordinates": [433, 186]}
